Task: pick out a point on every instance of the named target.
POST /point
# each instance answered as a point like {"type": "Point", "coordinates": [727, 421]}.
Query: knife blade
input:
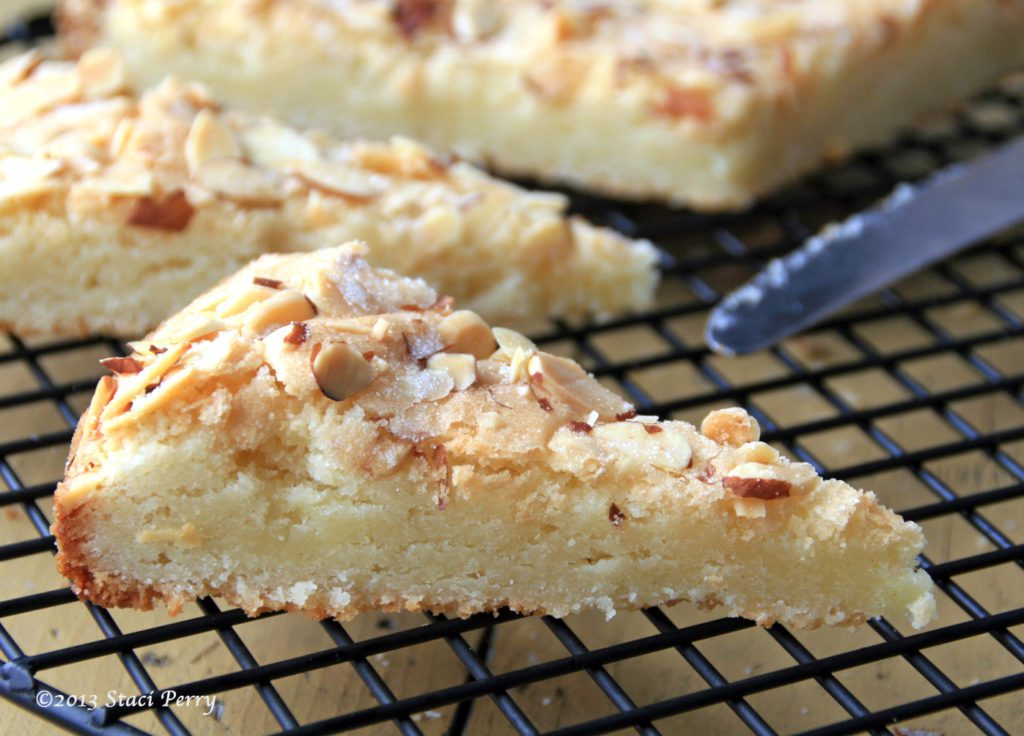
{"type": "Point", "coordinates": [914, 226]}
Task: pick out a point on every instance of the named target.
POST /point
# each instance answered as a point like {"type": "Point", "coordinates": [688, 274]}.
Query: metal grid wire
{"type": "Point", "coordinates": [960, 318]}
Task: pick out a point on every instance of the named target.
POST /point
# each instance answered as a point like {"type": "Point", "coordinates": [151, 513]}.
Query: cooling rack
{"type": "Point", "coordinates": [915, 392]}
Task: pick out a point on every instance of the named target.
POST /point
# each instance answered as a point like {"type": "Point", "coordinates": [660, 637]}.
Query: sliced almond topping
{"type": "Point", "coordinates": [298, 334]}
{"type": "Point", "coordinates": [24, 177]}
{"type": "Point", "coordinates": [564, 381]}
{"type": "Point", "coordinates": [186, 536]}
{"type": "Point", "coordinates": [121, 365]}
{"type": "Point", "coordinates": [763, 488]}
{"type": "Point", "coordinates": [102, 73]}
{"type": "Point", "coordinates": [644, 418]}
{"type": "Point", "coordinates": [129, 388]}
{"type": "Point", "coordinates": [20, 67]}
{"type": "Point", "coordinates": [237, 181]}
{"type": "Point", "coordinates": [281, 308]}
{"type": "Point", "coordinates": [274, 146]}
{"type": "Point", "coordinates": [271, 283]}
{"type": "Point", "coordinates": [30, 168]}
{"type": "Point", "coordinates": [122, 136]}
{"type": "Point", "coordinates": [196, 327]}
{"type": "Point", "coordinates": [209, 138]}
{"type": "Point", "coordinates": [680, 103]}
{"type": "Point", "coordinates": [104, 391]}
{"type": "Point", "coordinates": [244, 298]}
{"type": "Point", "coordinates": [518, 369]}
{"type": "Point", "coordinates": [123, 179]}
{"type": "Point", "coordinates": [337, 179]}
{"type": "Point", "coordinates": [411, 15]}
{"type": "Point", "coordinates": [173, 213]}
{"type": "Point", "coordinates": [399, 157]}
{"type": "Point", "coordinates": [170, 388]}
{"type": "Point", "coordinates": [510, 340]}
{"type": "Point", "coordinates": [473, 20]}
{"type": "Point", "coordinates": [52, 85]}
{"type": "Point", "coordinates": [668, 449]}
{"type": "Point", "coordinates": [437, 227]}
{"type": "Point", "coordinates": [757, 479]}
{"type": "Point", "coordinates": [757, 452]}
{"type": "Point", "coordinates": [464, 331]}
{"type": "Point", "coordinates": [750, 508]}
{"type": "Point", "coordinates": [78, 488]}
{"type": "Point", "coordinates": [341, 372]}
{"type": "Point", "coordinates": [547, 237]}
{"type": "Point", "coordinates": [380, 329]}
{"type": "Point", "coordinates": [732, 427]}
{"type": "Point", "coordinates": [460, 366]}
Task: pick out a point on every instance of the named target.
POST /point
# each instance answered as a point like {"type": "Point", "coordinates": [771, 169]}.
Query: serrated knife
{"type": "Point", "coordinates": [913, 227]}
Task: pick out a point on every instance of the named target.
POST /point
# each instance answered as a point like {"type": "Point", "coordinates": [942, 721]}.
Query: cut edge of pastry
{"type": "Point", "coordinates": [268, 436]}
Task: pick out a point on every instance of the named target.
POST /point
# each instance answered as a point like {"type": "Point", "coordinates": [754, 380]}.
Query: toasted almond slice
{"type": "Point", "coordinates": [129, 388]}
{"type": "Point", "coordinates": [473, 20]}
{"type": "Point", "coordinates": [399, 157]}
{"type": "Point", "coordinates": [565, 381]}
{"type": "Point", "coordinates": [341, 372]}
{"type": "Point", "coordinates": [460, 366]}
{"type": "Point", "coordinates": [380, 329]}
{"type": "Point", "coordinates": [25, 177]}
{"type": "Point", "coordinates": [195, 328]}
{"type": "Point", "coordinates": [667, 449]}
{"type": "Point", "coordinates": [280, 309]}
{"type": "Point", "coordinates": [171, 214]}
{"type": "Point", "coordinates": [104, 391]}
{"type": "Point", "coordinates": [509, 341]}
{"type": "Point", "coordinates": [121, 137]}
{"type": "Point", "coordinates": [209, 138]}
{"type": "Point", "coordinates": [334, 178]}
{"type": "Point", "coordinates": [437, 227]}
{"type": "Point", "coordinates": [78, 488]}
{"type": "Point", "coordinates": [464, 331]}
{"type": "Point", "coordinates": [102, 73]}
{"type": "Point", "coordinates": [237, 181]}
{"type": "Point", "coordinates": [20, 67]}
{"type": "Point", "coordinates": [28, 168]}
{"type": "Point", "coordinates": [169, 389]}
{"type": "Point", "coordinates": [750, 508]}
{"type": "Point", "coordinates": [123, 179]}
{"type": "Point", "coordinates": [732, 427]}
{"type": "Point", "coordinates": [274, 146]}
{"type": "Point", "coordinates": [242, 299]}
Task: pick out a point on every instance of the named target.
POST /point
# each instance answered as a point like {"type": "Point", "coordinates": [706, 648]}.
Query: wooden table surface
{"type": "Point", "coordinates": [567, 700]}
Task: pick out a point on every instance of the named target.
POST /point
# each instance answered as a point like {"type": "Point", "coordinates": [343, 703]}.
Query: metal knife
{"type": "Point", "coordinates": [914, 226]}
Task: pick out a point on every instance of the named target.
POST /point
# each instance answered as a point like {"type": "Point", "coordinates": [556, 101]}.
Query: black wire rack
{"type": "Point", "coordinates": [915, 392]}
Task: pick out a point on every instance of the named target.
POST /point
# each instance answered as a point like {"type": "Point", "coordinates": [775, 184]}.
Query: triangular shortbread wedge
{"type": "Point", "coordinates": [317, 435]}
{"type": "Point", "coordinates": [117, 210]}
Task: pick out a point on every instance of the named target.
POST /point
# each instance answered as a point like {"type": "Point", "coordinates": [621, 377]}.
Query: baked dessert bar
{"type": "Point", "coordinates": [116, 210]}
{"type": "Point", "coordinates": [318, 435]}
{"type": "Point", "coordinates": [703, 103]}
